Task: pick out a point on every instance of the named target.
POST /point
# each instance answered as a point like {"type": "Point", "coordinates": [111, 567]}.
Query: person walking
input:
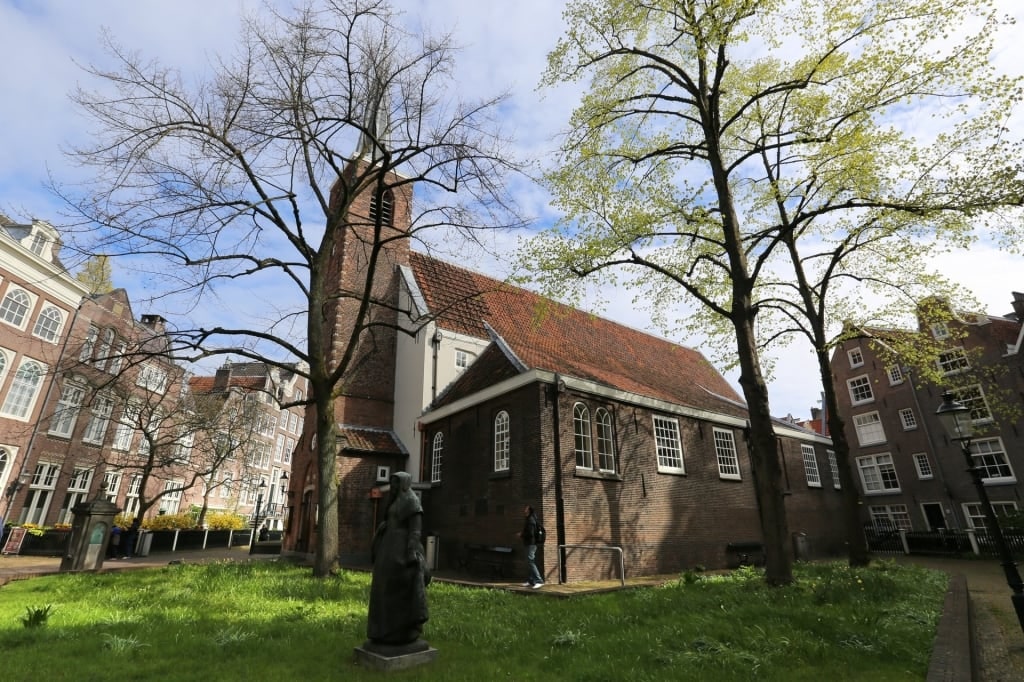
{"type": "Point", "coordinates": [529, 535]}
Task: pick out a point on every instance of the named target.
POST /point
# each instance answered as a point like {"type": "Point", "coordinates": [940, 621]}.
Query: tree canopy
{"type": "Point", "coordinates": [755, 156]}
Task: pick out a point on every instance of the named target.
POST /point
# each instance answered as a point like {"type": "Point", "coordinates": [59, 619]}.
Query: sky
{"type": "Point", "coordinates": [504, 47]}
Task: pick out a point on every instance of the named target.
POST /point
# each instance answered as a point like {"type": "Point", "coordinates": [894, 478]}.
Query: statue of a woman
{"type": "Point", "coordinates": [398, 598]}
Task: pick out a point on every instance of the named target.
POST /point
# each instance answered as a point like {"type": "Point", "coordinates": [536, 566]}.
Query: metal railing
{"type": "Point", "coordinates": [607, 548]}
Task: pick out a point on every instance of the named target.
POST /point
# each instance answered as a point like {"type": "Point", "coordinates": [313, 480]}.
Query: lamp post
{"type": "Point", "coordinates": [256, 519]}
{"type": "Point", "coordinates": [956, 419]}
{"type": "Point", "coordinates": [11, 491]}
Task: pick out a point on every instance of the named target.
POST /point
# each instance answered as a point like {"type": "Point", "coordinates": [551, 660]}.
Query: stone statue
{"type": "Point", "coordinates": [398, 598]}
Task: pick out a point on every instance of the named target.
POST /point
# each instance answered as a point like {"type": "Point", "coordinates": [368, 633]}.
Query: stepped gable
{"type": "Point", "coordinates": [550, 336]}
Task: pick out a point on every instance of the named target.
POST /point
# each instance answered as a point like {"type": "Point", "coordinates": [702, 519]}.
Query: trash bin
{"type": "Point", "coordinates": [143, 544]}
{"type": "Point", "coordinates": [431, 551]}
{"type": "Point", "coordinates": [801, 548]}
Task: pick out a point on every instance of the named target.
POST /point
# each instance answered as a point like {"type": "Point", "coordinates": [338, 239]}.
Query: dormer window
{"type": "Point", "coordinates": [38, 244]}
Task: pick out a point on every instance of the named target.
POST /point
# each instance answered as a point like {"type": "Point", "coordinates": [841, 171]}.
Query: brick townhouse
{"type": "Point", "coordinates": [911, 476]}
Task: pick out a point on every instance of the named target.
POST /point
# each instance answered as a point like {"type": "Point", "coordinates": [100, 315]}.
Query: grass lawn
{"type": "Point", "coordinates": [273, 621]}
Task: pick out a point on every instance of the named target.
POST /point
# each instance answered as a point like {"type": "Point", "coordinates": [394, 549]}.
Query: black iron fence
{"type": "Point", "coordinates": [975, 541]}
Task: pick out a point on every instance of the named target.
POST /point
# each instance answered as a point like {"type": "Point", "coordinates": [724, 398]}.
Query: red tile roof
{"type": "Point", "coordinates": [550, 336]}
{"type": "Point", "coordinates": [369, 441]}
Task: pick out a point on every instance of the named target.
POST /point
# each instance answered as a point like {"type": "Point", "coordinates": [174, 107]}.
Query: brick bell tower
{"type": "Point", "coordinates": [377, 205]}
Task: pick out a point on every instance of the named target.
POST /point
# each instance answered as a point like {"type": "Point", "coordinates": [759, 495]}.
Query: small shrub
{"type": "Point", "coordinates": [121, 645]}
{"type": "Point", "coordinates": [224, 521]}
{"type": "Point", "coordinates": [170, 522]}
{"type": "Point", "coordinates": [36, 616]}
{"type": "Point", "coordinates": [569, 638]}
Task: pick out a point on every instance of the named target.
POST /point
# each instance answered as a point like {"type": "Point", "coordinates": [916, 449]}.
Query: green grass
{"type": "Point", "coordinates": [273, 621]}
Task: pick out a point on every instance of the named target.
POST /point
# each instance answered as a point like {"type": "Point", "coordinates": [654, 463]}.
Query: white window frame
{"type": "Point", "coordinates": [668, 445]}
{"type": "Point", "coordinates": [923, 466]}
{"type": "Point", "coordinates": [583, 445]}
{"type": "Point", "coordinates": [170, 502]}
{"type": "Point", "coordinates": [463, 359]}
{"type": "Point", "coordinates": [725, 453]}
{"type": "Point", "coordinates": [833, 465]}
{"type": "Point", "coordinates": [605, 440]}
{"type": "Point", "coordinates": [78, 492]}
{"type": "Point", "coordinates": [975, 514]}
{"type": "Point", "coordinates": [49, 323]}
{"type": "Point", "coordinates": [891, 516]}
{"type": "Point", "coordinates": [878, 474]}
{"type": "Point", "coordinates": [858, 385]}
{"type": "Point", "coordinates": [866, 426]}
{"type": "Point", "coordinates": [436, 453]}
{"type": "Point", "coordinates": [65, 415]}
{"type": "Point", "coordinates": [118, 358]}
{"type": "Point", "coordinates": [16, 312]}
{"type": "Point", "coordinates": [895, 374]}
{"type": "Point", "coordinates": [41, 489]}
{"type": "Point", "coordinates": [22, 394]}
{"type": "Point", "coordinates": [940, 331]}
{"type": "Point", "coordinates": [856, 357]}
{"type": "Point", "coordinates": [811, 473]}
{"type": "Point", "coordinates": [989, 455]}
{"type": "Point", "coordinates": [131, 497]}
{"type": "Point", "coordinates": [502, 441]}
{"type": "Point", "coordinates": [953, 361]}
{"type": "Point", "coordinates": [90, 342]}
{"type": "Point", "coordinates": [99, 419]}
{"type": "Point", "coordinates": [289, 448]}
{"type": "Point", "coordinates": [908, 419]}
{"type": "Point", "coordinates": [124, 432]}
{"type": "Point", "coordinates": [973, 398]}
{"type": "Point", "coordinates": [152, 378]}
{"type": "Point", "coordinates": [112, 485]}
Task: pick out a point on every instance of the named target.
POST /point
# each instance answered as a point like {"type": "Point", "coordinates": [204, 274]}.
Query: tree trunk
{"type": "Point", "coordinates": [764, 458]}
{"type": "Point", "coordinates": [325, 562]}
{"type": "Point", "coordinates": [857, 544]}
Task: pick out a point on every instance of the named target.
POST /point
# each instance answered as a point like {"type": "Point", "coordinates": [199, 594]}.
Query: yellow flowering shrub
{"type": "Point", "coordinates": [224, 521]}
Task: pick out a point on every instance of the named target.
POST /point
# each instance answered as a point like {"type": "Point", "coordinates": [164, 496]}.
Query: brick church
{"type": "Point", "coordinates": [630, 447]}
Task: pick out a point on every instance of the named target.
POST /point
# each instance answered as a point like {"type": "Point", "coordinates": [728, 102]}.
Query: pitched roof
{"type": "Point", "coordinates": [369, 441]}
{"type": "Point", "coordinates": [546, 335]}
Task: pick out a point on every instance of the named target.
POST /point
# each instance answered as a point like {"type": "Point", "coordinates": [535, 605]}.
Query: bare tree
{"type": "Point", "coordinates": [245, 178]}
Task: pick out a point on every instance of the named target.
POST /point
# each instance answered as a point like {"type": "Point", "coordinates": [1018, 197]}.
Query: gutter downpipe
{"type": "Point", "coordinates": [559, 500]}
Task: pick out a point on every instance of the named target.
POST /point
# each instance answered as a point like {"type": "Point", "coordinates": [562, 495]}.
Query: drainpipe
{"type": "Point", "coordinates": [435, 342]}
{"type": "Point", "coordinates": [559, 387]}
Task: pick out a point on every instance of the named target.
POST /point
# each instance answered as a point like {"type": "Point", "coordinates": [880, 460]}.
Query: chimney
{"type": "Point", "coordinates": [1018, 305]}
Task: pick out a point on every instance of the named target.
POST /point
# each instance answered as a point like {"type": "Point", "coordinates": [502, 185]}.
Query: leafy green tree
{"type": "Point", "coordinates": [96, 274]}
{"type": "Point", "coordinates": [748, 155]}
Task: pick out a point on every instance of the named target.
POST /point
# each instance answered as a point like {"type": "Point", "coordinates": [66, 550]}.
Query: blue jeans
{"type": "Point", "coordinates": [533, 575]}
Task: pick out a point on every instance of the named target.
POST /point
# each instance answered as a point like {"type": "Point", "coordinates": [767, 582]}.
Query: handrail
{"type": "Point", "coordinates": [612, 548]}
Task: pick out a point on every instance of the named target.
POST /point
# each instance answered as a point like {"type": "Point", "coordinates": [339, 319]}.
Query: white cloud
{"type": "Point", "coordinates": [504, 47]}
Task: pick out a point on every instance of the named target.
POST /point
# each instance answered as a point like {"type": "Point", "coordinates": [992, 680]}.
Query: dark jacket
{"type": "Point", "coordinates": [529, 533]}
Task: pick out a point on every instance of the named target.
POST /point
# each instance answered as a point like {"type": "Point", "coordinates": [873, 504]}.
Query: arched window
{"type": "Point", "coordinates": [103, 355]}
{"type": "Point", "coordinates": [14, 307]}
{"type": "Point", "coordinates": [5, 461]}
{"type": "Point", "coordinates": [435, 459]}
{"type": "Point", "coordinates": [386, 209]}
{"type": "Point", "coordinates": [48, 323]}
{"type": "Point", "coordinates": [605, 440]}
{"type": "Point", "coordinates": [24, 388]}
{"type": "Point", "coordinates": [581, 430]}
{"type": "Point", "coordinates": [501, 441]}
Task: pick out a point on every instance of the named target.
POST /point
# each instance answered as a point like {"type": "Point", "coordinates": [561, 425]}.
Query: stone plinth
{"type": "Point", "coordinates": [388, 657]}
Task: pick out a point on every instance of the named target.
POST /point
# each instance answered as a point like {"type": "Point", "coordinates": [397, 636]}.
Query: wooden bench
{"type": "Point", "coordinates": [750, 553]}
{"type": "Point", "coordinates": [494, 558]}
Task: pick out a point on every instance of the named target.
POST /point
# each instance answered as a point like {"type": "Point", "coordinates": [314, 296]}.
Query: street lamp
{"type": "Point", "coordinates": [256, 520]}
{"type": "Point", "coordinates": [12, 490]}
{"type": "Point", "coordinates": [283, 481]}
{"type": "Point", "coordinates": [956, 419]}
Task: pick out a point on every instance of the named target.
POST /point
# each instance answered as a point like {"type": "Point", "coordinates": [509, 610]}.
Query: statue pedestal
{"type": "Point", "coordinates": [388, 657]}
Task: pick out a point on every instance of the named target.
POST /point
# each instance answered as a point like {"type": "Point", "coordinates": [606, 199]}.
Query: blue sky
{"type": "Point", "coordinates": [504, 47]}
